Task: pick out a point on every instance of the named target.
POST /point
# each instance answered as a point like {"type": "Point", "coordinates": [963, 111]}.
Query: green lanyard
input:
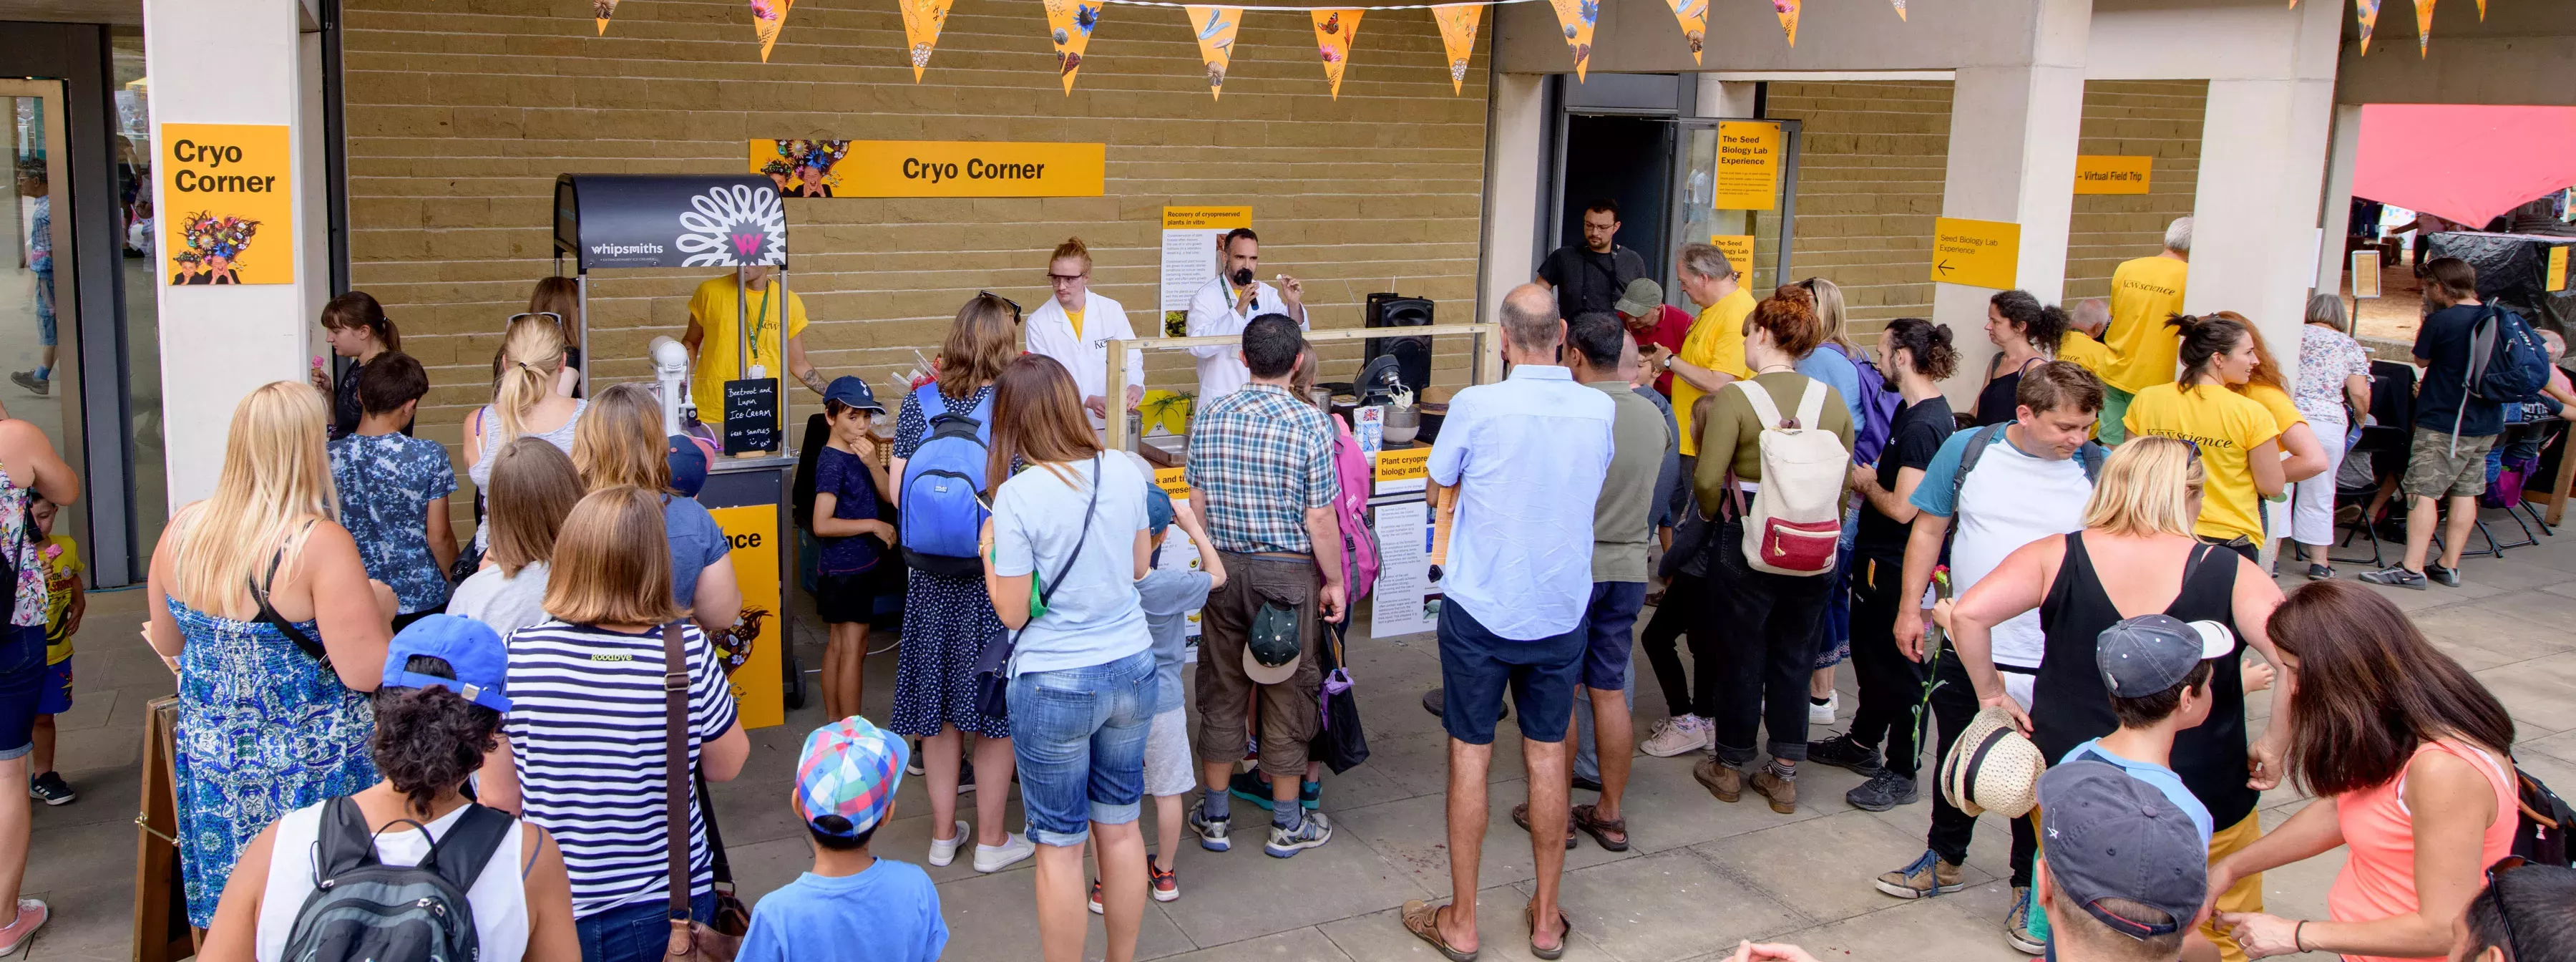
{"type": "Point", "coordinates": [759, 321]}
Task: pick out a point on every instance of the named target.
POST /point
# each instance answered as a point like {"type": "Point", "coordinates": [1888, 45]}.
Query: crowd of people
{"type": "Point", "coordinates": [2075, 563]}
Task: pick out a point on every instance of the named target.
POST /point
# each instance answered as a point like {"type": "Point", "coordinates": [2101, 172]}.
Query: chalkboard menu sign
{"type": "Point", "coordinates": [750, 415]}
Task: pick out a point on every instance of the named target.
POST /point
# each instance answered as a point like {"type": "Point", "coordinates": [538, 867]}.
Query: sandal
{"type": "Point", "coordinates": [1423, 920]}
{"type": "Point", "coordinates": [1565, 934]}
{"type": "Point", "coordinates": [1588, 818]}
{"type": "Point", "coordinates": [1520, 817]}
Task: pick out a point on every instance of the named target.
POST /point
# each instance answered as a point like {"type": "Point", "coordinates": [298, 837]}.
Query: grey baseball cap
{"type": "Point", "coordinates": [2106, 835]}
{"type": "Point", "coordinates": [2150, 653]}
{"type": "Point", "coordinates": [1641, 298]}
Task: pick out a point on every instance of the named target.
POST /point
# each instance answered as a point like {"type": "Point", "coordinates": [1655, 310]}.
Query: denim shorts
{"type": "Point", "coordinates": [22, 677]}
{"type": "Point", "coordinates": [1079, 736]}
{"type": "Point", "coordinates": [635, 931]}
{"type": "Point", "coordinates": [1476, 665]}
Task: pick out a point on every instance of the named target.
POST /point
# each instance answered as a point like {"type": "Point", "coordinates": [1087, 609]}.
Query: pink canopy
{"type": "Point", "coordinates": [2464, 163]}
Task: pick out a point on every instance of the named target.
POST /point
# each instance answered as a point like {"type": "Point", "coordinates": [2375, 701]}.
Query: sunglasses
{"type": "Point", "coordinates": [1066, 278]}
{"type": "Point", "coordinates": [2495, 887]}
{"type": "Point", "coordinates": [557, 318]}
{"type": "Point", "coordinates": [1014, 305]}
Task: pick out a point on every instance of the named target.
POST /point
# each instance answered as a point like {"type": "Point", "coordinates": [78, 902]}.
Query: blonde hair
{"type": "Point", "coordinates": [1073, 247]}
{"type": "Point", "coordinates": [2147, 488]}
{"type": "Point", "coordinates": [533, 487]}
{"type": "Point", "coordinates": [612, 562]}
{"type": "Point", "coordinates": [532, 354]}
{"type": "Point", "coordinates": [979, 344]}
{"type": "Point", "coordinates": [620, 441]}
{"type": "Point", "coordinates": [1830, 316]}
{"type": "Point", "coordinates": [276, 473]}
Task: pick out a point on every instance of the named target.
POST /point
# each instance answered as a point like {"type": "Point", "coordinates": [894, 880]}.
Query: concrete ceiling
{"type": "Point", "coordinates": [121, 12]}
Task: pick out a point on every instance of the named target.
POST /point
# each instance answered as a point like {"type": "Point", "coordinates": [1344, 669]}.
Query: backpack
{"type": "Point", "coordinates": [942, 514]}
{"type": "Point", "coordinates": [1877, 405]}
{"type": "Point", "coordinates": [1796, 520]}
{"type": "Point", "coordinates": [363, 910]}
{"type": "Point", "coordinates": [2090, 456]}
{"type": "Point", "coordinates": [2507, 362]}
{"type": "Point", "coordinates": [2546, 819]}
{"type": "Point", "coordinates": [1350, 507]}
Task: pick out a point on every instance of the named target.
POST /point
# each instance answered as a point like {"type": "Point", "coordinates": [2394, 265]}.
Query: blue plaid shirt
{"type": "Point", "coordinates": [1261, 459]}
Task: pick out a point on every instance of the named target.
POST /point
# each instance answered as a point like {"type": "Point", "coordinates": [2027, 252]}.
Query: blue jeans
{"type": "Point", "coordinates": [635, 931]}
{"type": "Point", "coordinates": [1079, 737]}
{"type": "Point", "coordinates": [22, 678]}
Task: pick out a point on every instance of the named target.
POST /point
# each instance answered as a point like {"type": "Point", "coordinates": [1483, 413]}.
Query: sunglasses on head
{"type": "Point", "coordinates": [550, 315]}
{"type": "Point", "coordinates": [2495, 887]}
{"type": "Point", "coordinates": [1014, 305]}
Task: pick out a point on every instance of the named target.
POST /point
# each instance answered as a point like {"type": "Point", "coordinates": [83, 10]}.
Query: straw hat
{"type": "Point", "coordinates": [1992, 768]}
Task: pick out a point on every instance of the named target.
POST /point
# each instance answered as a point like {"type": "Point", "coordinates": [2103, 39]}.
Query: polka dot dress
{"type": "Point", "coordinates": [946, 621]}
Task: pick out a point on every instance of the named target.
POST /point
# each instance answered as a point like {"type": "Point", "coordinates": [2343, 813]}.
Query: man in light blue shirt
{"type": "Point", "coordinates": [1527, 458]}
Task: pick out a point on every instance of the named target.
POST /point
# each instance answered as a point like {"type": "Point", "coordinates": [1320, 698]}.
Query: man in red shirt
{"type": "Point", "coordinates": [1659, 328]}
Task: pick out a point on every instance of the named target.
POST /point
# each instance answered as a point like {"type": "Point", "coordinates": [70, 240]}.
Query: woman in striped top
{"type": "Point", "coordinates": [587, 757]}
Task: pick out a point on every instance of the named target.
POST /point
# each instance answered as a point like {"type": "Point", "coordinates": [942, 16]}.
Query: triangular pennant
{"type": "Point", "coordinates": [1215, 27]}
{"type": "Point", "coordinates": [921, 22]}
{"type": "Point", "coordinates": [767, 17]}
{"type": "Point", "coordinates": [2368, 12]}
{"type": "Point", "coordinates": [603, 9]}
{"type": "Point", "coordinates": [1900, 7]}
{"type": "Point", "coordinates": [1693, 15]}
{"type": "Point", "coordinates": [1458, 35]}
{"type": "Point", "coordinates": [1577, 17]}
{"type": "Point", "coordinates": [1071, 22]}
{"type": "Point", "coordinates": [2482, 11]}
{"type": "Point", "coordinates": [2424, 28]}
{"type": "Point", "coordinates": [1788, 11]}
{"type": "Point", "coordinates": [1334, 32]}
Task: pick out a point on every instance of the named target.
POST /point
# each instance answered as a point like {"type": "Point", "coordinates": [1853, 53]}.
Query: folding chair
{"type": "Point", "coordinates": [2387, 438]}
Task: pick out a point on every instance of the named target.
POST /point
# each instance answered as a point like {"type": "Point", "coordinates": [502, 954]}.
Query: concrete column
{"type": "Point", "coordinates": [2262, 172]}
{"type": "Point", "coordinates": [1517, 125]}
{"type": "Point", "coordinates": [228, 62]}
{"type": "Point", "coordinates": [2343, 150]}
{"type": "Point", "coordinates": [1720, 98]}
{"type": "Point", "coordinates": [2012, 158]}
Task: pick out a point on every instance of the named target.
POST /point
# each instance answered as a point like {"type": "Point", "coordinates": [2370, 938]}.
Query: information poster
{"type": "Point", "coordinates": [1748, 165]}
{"type": "Point", "coordinates": [1738, 249]}
{"type": "Point", "coordinates": [1179, 553]}
{"type": "Point", "coordinates": [1406, 599]}
{"type": "Point", "coordinates": [1977, 253]}
{"type": "Point", "coordinates": [1190, 256]}
{"type": "Point", "coordinates": [2557, 279]}
{"type": "Point", "coordinates": [757, 686]}
{"type": "Point", "coordinates": [227, 204]}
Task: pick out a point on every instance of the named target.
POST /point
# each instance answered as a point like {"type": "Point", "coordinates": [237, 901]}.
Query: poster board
{"type": "Point", "coordinates": [1748, 164]}
{"type": "Point", "coordinates": [1190, 257]}
{"type": "Point", "coordinates": [1179, 553]}
{"type": "Point", "coordinates": [753, 529]}
{"type": "Point", "coordinates": [227, 204]}
{"type": "Point", "coordinates": [2365, 274]}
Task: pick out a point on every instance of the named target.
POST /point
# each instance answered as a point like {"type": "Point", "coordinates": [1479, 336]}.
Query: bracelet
{"type": "Point", "coordinates": [2297, 932]}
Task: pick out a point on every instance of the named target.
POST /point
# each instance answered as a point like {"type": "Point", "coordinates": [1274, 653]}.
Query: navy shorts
{"type": "Point", "coordinates": [1610, 633]}
{"type": "Point", "coordinates": [1476, 666]}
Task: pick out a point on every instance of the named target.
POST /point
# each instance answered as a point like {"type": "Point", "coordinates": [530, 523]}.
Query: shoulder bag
{"type": "Point", "coordinates": [993, 664]}
{"type": "Point", "coordinates": [717, 939]}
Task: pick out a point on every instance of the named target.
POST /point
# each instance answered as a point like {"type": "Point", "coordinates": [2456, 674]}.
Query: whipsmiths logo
{"type": "Point", "coordinates": [620, 250]}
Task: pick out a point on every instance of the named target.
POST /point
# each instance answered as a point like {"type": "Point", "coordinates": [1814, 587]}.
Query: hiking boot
{"type": "Point", "coordinates": [2321, 573]}
{"type": "Point", "coordinates": [1314, 830]}
{"type": "Point", "coordinates": [1722, 780]}
{"type": "Point", "coordinates": [1678, 735]}
{"type": "Point", "coordinates": [1783, 792]}
{"type": "Point", "coordinates": [2396, 576]}
{"type": "Point", "coordinates": [1883, 791]}
{"type": "Point", "coordinates": [50, 789]}
{"type": "Point", "coordinates": [2448, 577]}
{"type": "Point", "coordinates": [1841, 751]}
{"type": "Point", "coordinates": [1212, 831]}
{"type": "Point", "coordinates": [1926, 877]}
{"type": "Point", "coordinates": [2026, 927]}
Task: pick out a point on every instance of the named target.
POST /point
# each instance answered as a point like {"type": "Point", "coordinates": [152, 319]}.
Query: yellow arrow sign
{"type": "Point", "coordinates": [1977, 253]}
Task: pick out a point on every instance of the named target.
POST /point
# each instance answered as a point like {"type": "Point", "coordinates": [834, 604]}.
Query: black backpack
{"type": "Point", "coordinates": [2542, 837]}
{"type": "Point", "coordinates": [363, 910]}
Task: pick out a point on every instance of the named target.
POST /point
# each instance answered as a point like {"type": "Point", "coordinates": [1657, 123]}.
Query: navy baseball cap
{"type": "Point", "coordinates": [852, 392]}
{"type": "Point", "coordinates": [471, 649]}
{"type": "Point", "coordinates": [688, 465]}
{"type": "Point", "coordinates": [2148, 654]}
{"type": "Point", "coordinates": [2106, 835]}
{"type": "Point", "coordinates": [1158, 508]}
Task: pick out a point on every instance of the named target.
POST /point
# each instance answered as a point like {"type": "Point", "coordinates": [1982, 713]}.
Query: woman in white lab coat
{"type": "Point", "coordinates": [1075, 328]}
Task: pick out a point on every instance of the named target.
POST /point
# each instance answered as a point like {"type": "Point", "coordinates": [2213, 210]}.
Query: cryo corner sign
{"type": "Point", "coordinates": [227, 204]}
{"type": "Point", "coordinates": [948, 168]}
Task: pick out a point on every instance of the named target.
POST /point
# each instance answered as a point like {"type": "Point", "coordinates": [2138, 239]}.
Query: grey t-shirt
{"type": "Point", "coordinates": [1093, 618]}
{"type": "Point", "coordinates": [1623, 520]}
{"type": "Point", "coordinates": [1167, 596]}
{"type": "Point", "coordinates": [501, 601]}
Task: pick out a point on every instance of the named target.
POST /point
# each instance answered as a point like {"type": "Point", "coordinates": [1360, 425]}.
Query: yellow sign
{"type": "Point", "coordinates": [1738, 249]}
{"type": "Point", "coordinates": [757, 692]}
{"type": "Point", "coordinates": [1748, 165]}
{"type": "Point", "coordinates": [951, 168]}
{"type": "Point", "coordinates": [1206, 218]}
{"type": "Point", "coordinates": [1404, 469]}
{"type": "Point", "coordinates": [1174, 482]}
{"type": "Point", "coordinates": [1977, 253]}
{"type": "Point", "coordinates": [2111, 174]}
{"type": "Point", "coordinates": [227, 204]}
{"type": "Point", "coordinates": [2557, 280]}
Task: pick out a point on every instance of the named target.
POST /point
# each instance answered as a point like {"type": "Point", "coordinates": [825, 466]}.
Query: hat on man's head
{"type": "Point", "coordinates": [1641, 298]}
{"type": "Point", "coordinates": [472, 650]}
{"type": "Point", "coordinates": [852, 392]}
{"type": "Point", "coordinates": [1992, 767]}
{"type": "Point", "coordinates": [850, 769]}
{"type": "Point", "coordinates": [2110, 836]}
{"type": "Point", "coordinates": [2148, 654]}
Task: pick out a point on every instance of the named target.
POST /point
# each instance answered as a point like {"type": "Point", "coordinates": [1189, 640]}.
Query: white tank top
{"type": "Point", "coordinates": [2012, 499]}
{"type": "Point", "coordinates": [499, 896]}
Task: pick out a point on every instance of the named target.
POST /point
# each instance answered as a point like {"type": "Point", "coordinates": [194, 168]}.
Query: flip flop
{"type": "Point", "coordinates": [1529, 913]}
{"type": "Point", "coordinates": [1587, 818]}
{"type": "Point", "coordinates": [1423, 920]}
{"type": "Point", "coordinates": [1520, 817]}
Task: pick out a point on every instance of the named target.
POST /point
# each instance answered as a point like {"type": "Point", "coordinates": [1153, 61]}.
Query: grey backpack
{"type": "Point", "coordinates": [363, 910]}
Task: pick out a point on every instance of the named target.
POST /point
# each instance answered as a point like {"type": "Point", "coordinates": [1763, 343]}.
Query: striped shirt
{"type": "Point", "coordinates": [586, 730]}
{"type": "Point", "coordinates": [1262, 458]}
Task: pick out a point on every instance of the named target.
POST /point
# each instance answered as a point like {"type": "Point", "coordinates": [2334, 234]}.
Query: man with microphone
{"type": "Point", "coordinates": [1226, 302]}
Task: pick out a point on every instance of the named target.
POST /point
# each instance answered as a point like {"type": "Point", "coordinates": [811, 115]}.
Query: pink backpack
{"type": "Point", "coordinates": [1350, 508]}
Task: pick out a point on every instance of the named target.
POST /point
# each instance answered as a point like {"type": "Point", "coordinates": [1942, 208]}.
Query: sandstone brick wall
{"type": "Point", "coordinates": [2155, 118]}
{"type": "Point", "coordinates": [1871, 161]}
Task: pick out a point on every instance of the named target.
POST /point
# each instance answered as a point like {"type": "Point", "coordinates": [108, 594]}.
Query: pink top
{"type": "Point", "coordinates": [2378, 879]}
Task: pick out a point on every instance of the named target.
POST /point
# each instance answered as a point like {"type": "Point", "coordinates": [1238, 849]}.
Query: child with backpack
{"type": "Point", "coordinates": [394, 488]}
{"type": "Point", "coordinates": [847, 478]}
{"type": "Point", "coordinates": [853, 906]}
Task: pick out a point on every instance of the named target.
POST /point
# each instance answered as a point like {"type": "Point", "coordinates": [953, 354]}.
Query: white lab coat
{"type": "Point", "coordinates": [1050, 333]}
{"type": "Point", "coordinates": [1212, 315]}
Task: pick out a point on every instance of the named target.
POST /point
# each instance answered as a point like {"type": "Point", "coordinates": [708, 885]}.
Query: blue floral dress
{"type": "Point", "coordinates": [263, 730]}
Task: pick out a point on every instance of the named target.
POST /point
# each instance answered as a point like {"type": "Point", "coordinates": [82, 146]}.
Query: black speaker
{"type": "Point", "coordinates": [1412, 354]}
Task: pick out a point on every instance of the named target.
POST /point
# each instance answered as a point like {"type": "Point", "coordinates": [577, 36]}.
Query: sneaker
{"type": "Point", "coordinates": [2321, 573]}
{"type": "Point", "coordinates": [50, 789]}
{"type": "Point", "coordinates": [2396, 576]}
{"type": "Point", "coordinates": [1212, 831]}
{"type": "Point", "coordinates": [1166, 884]}
{"type": "Point", "coordinates": [1927, 877]}
{"type": "Point", "coordinates": [1841, 751]}
{"type": "Point", "coordinates": [942, 853]}
{"type": "Point", "coordinates": [1678, 735]}
{"type": "Point", "coordinates": [1722, 780]}
{"type": "Point", "coordinates": [1250, 787]}
{"type": "Point", "coordinates": [1014, 848]}
{"type": "Point", "coordinates": [27, 379]}
{"type": "Point", "coordinates": [31, 916]}
{"type": "Point", "coordinates": [912, 762]}
{"type": "Point", "coordinates": [1096, 909]}
{"type": "Point", "coordinates": [966, 778]}
{"type": "Point", "coordinates": [2026, 927]}
{"type": "Point", "coordinates": [1783, 792]}
{"type": "Point", "coordinates": [1824, 714]}
{"type": "Point", "coordinates": [1285, 843]}
{"type": "Point", "coordinates": [2448, 577]}
{"type": "Point", "coordinates": [1883, 791]}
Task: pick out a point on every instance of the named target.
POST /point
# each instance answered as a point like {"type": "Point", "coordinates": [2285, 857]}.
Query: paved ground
{"type": "Point", "coordinates": [1701, 875]}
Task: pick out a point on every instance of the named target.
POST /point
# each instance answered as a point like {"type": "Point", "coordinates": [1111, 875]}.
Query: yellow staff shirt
{"type": "Point", "coordinates": [1715, 342]}
{"type": "Point", "coordinates": [1075, 318]}
{"type": "Point", "coordinates": [2227, 426]}
{"type": "Point", "coordinates": [2144, 292]}
{"type": "Point", "coordinates": [718, 307]}
{"type": "Point", "coordinates": [2082, 349]}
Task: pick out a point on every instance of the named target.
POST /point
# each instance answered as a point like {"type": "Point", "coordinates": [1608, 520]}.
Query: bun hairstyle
{"type": "Point", "coordinates": [1927, 344]}
{"type": "Point", "coordinates": [359, 309]}
{"type": "Point", "coordinates": [2205, 337]}
{"type": "Point", "coordinates": [430, 740]}
{"type": "Point", "coordinates": [2043, 327]}
{"type": "Point", "coordinates": [1789, 317]}
{"type": "Point", "coordinates": [1072, 248]}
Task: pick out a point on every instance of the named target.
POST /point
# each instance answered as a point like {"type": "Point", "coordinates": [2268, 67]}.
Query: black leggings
{"type": "Point", "coordinates": [1891, 685]}
{"type": "Point", "coordinates": [1682, 600]}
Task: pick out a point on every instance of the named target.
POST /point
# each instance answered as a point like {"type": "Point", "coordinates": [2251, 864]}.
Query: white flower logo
{"type": "Point", "coordinates": [734, 225]}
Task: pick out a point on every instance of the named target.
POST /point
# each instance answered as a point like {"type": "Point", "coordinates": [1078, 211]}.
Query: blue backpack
{"type": "Point", "coordinates": [941, 515]}
{"type": "Point", "coordinates": [2507, 362]}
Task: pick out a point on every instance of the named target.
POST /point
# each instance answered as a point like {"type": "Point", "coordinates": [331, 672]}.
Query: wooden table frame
{"type": "Point", "coordinates": [1484, 366]}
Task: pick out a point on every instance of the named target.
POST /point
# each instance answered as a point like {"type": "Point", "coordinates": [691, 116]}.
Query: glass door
{"type": "Point", "coordinates": [39, 309]}
{"type": "Point", "coordinates": [1736, 186]}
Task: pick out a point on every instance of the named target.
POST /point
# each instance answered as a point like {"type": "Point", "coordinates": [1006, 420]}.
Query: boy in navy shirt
{"type": "Point", "coordinates": [847, 478]}
{"type": "Point", "coordinates": [853, 906]}
{"type": "Point", "coordinates": [394, 488]}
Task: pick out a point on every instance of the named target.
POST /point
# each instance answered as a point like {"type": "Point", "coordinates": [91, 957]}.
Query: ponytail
{"type": "Point", "coordinates": [2203, 338]}
{"type": "Point", "coordinates": [359, 309]}
{"type": "Point", "coordinates": [531, 356]}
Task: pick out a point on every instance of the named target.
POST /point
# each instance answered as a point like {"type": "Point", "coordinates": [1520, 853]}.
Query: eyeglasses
{"type": "Point", "coordinates": [1066, 278]}
{"type": "Point", "coordinates": [1016, 313]}
{"type": "Point", "coordinates": [550, 315]}
{"type": "Point", "coordinates": [2495, 888]}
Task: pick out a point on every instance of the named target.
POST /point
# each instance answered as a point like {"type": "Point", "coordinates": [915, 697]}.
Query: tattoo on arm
{"type": "Point", "coordinates": [813, 379]}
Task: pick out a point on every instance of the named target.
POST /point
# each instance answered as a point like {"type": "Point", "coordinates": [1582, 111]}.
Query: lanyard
{"type": "Point", "coordinates": [758, 321]}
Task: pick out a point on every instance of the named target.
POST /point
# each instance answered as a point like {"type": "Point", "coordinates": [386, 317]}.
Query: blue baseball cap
{"type": "Point", "coordinates": [471, 649]}
{"type": "Point", "coordinates": [852, 392]}
{"type": "Point", "coordinates": [688, 465]}
{"type": "Point", "coordinates": [1158, 508]}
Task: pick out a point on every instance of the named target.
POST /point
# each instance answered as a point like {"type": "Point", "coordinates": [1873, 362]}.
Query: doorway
{"type": "Point", "coordinates": [1628, 161]}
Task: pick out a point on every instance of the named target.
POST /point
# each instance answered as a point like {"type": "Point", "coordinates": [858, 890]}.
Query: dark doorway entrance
{"type": "Point", "coordinates": [1628, 160]}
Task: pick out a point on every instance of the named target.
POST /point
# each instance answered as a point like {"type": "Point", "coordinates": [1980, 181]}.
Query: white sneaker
{"type": "Point", "coordinates": [1677, 735]}
{"type": "Point", "coordinates": [1014, 849]}
{"type": "Point", "coordinates": [942, 853]}
{"type": "Point", "coordinates": [1824, 714]}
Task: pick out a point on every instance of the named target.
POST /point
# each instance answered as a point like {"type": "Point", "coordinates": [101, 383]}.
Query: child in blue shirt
{"type": "Point", "coordinates": [394, 488]}
{"type": "Point", "coordinates": [852, 567]}
{"type": "Point", "coordinates": [1168, 595]}
{"type": "Point", "coordinates": [853, 906]}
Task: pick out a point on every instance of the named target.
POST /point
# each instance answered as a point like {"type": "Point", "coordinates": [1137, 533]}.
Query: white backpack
{"type": "Point", "coordinates": [1796, 520]}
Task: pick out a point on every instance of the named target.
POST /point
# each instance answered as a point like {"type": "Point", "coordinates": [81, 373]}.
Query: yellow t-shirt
{"type": "Point", "coordinates": [2227, 426]}
{"type": "Point", "coordinates": [717, 307]}
{"type": "Point", "coordinates": [62, 578]}
{"type": "Point", "coordinates": [2144, 292]}
{"type": "Point", "coordinates": [2082, 349]}
{"type": "Point", "coordinates": [2285, 412]}
{"type": "Point", "coordinates": [1715, 342]}
{"type": "Point", "coordinates": [1075, 318]}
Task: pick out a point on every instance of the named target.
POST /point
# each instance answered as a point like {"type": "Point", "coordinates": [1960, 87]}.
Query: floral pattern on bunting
{"type": "Point", "coordinates": [921, 22]}
{"type": "Point", "coordinates": [1577, 17]}
{"type": "Point", "coordinates": [1693, 15]}
{"type": "Point", "coordinates": [2368, 12]}
{"type": "Point", "coordinates": [1900, 7]}
{"type": "Point", "coordinates": [1070, 23]}
{"type": "Point", "coordinates": [2423, 28]}
{"type": "Point", "coordinates": [1335, 31]}
{"type": "Point", "coordinates": [768, 17]}
{"type": "Point", "coordinates": [1215, 27]}
{"type": "Point", "coordinates": [1458, 36]}
{"type": "Point", "coordinates": [602, 10]}
{"type": "Point", "coordinates": [1788, 11]}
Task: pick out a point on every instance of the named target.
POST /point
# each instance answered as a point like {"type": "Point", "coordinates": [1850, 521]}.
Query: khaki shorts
{"type": "Point", "coordinates": [1226, 695]}
{"type": "Point", "coordinates": [2433, 470]}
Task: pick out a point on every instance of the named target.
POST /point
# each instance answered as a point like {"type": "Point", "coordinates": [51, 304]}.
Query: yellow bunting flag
{"type": "Point", "coordinates": [2423, 28]}
{"type": "Point", "coordinates": [2482, 11]}
{"type": "Point", "coordinates": [2368, 12]}
{"type": "Point", "coordinates": [1900, 7]}
{"type": "Point", "coordinates": [1788, 11]}
{"type": "Point", "coordinates": [767, 17]}
{"type": "Point", "coordinates": [1458, 34]}
{"type": "Point", "coordinates": [1694, 17]}
{"type": "Point", "coordinates": [921, 22]}
{"type": "Point", "coordinates": [1577, 17]}
{"type": "Point", "coordinates": [1071, 21]}
{"type": "Point", "coordinates": [603, 9]}
{"type": "Point", "coordinates": [1215, 26]}
{"type": "Point", "coordinates": [1334, 31]}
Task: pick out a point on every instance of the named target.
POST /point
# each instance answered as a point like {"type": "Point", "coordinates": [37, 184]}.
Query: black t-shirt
{"type": "Point", "coordinates": [1912, 439]}
{"type": "Point", "coordinates": [2443, 343]}
{"type": "Point", "coordinates": [1586, 281]}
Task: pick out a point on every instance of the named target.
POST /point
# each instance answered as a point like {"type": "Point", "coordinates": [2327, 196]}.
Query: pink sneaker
{"type": "Point", "coordinates": [31, 916]}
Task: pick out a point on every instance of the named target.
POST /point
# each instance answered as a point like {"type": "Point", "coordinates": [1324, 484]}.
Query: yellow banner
{"type": "Point", "coordinates": [2366, 11]}
{"type": "Point", "coordinates": [1748, 165]}
{"type": "Point", "coordinates": [1458, 36]}
{"type": "Point", "coordinates": [1738, 249]}
{"type": "Point", "coordinates": [767, 18]}
{"type": "Point", "coordinates": [2557, 279]}
{"type": "Point", "coordinates": [1693, 15]}
{"type": "Point", "coordinates": [1577, 17]}
{"type": "Point", "coordinates": [935, 168]}
{"type": "Point", "coordinates": [1977, 253]}
{"type": "Point", "coordinates": [1788, 11]}
{"type": "Point", "coordinates": [227, 204]}
{"type": "Point", "coordinates": [921, 22]}
{"type": "Point", "coordinates": [1173, 481]}
{"type": "Point", "coordinates": [1070, 23]}
{"type": "Point", "coordinates": [1215, 27]}
{"type": "Point", "coordinates": [1404, 469]}
{"type": "Point", "coordinates": [757, 691]}
{"type": "Point", "coordinates": [1335, 30]}
{"type": "Point", "coordinates": [2112, 174]}
{"type": "Point", "coordinates": [1206, 218]}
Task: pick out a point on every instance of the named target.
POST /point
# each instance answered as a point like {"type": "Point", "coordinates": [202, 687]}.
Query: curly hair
{"type": "Point", "coordinates": [1928, 344]}
{"type": "Point", "coordinates": [1789, 316]}
{"type": "Point", "coordinates": [430, 740]}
